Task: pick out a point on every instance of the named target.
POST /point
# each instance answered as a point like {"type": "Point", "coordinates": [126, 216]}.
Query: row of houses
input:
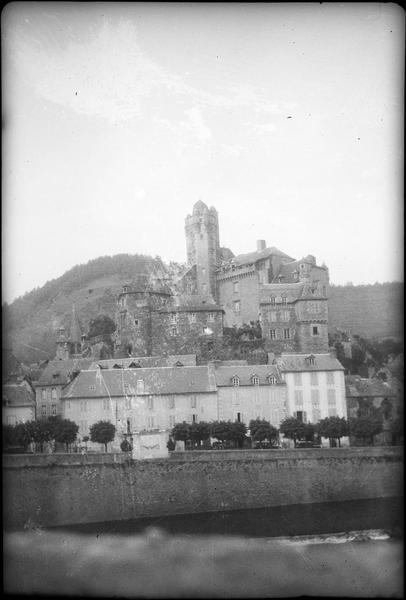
{"type": "Point", "coordinates": [146, 394]}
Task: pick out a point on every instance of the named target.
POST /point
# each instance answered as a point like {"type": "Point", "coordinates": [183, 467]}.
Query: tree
{"type": "Point", "coordinates": [22, 436]}
{"type": "Point", "coordinates": [333, 428]}
{"type": "Point", "coordinates": [126, 446]}
{"type": "Point", "coordinates": [397, 429]}
{"type": "Point", "coordinates": [365, 426]}
{"type": "Point", "coordinates": [181, 431]}
{"type": "Point", "coordinates": [40, 432]}
{"type": "Point", "coordinates": [8, 437]}
{"type": "Point", "coordinates": [198, 432]}
{"type": "Point", "coordinates": [102, 432]}
{"type": "Point", "coordinates": [66, 432]}
{"type": "Point", "coordinates": [220, 430]}
{"type": "Point", "coordinates": [292, 428]}
{"type": "Point", "coordinates": [262, 430]}
{"type": "Point", "coordinates": [237, 433]}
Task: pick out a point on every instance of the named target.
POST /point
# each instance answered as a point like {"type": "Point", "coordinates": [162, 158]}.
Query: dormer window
{"type": "Point", "coordinates": [255, 380]}
{"type": "Point", "coordinates": [284, 299]}
{"type": "Point", "coordinates": [134, 365]}
{"type": "Point", "coordinates": [272, 300]}
{"type": "Point", "coordinates": [55, 375]}
{"type": "Point", "coordinates": [116, 366]}
{"type": "Point", "coordinates": [311, 359]}
{"type": "Point", "coordinates": [271, 379]}
{"type": "Point", "coordinates": [92, 388]}
{"type": "Point", "coordinates": [192, 317]}
{"type": "Point", "coordinates": [210, 316]}
{"type": "Point", "coordinates": [235, 381]}
{"type": "Point", "coordinates": [173, 318]}
{"type": "Point", "coordinates": [178, 364]}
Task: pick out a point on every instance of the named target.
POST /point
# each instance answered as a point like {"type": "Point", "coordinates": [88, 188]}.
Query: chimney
{"type": "Point", "coordinates": [261, 245]}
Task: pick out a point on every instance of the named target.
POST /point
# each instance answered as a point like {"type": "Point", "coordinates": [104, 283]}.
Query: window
{"type": "Point", "coordinates": [310, 359]}
{"type": "Point", "coordinates": [285, 315]}
{"type": "Point", "coordinates": [301, 416]}
{"type": "Point", "coordinates": [150, 403]}
{"type": "Point", "coordinates": [272, 300]}
{"type": "Point", "coordinates": [237, 306]}
{"type": "Point", "coordinates": [172, 420]}
{"type": "Point", "coordinates": [128, 403]}
{"type": "Point", "coordinates": [298, 398]}
{"type": "Point", "coordinates": [129, 426]}
{"type": "Point", "coordinates": [83, 406]}
{"type": "Point", "coordinates": [106, 404]}
{"type": "Point", "coordinates": [315, 398]}
{"type": "Point", "coordinates": [122, 320]}
{"type": "Point", "coordinates": [331, 398]}
{"type": "Point", "coordinates": [44, 393]}
{"type": "Point", "coordinates": [194, 418]}
{"type": "Point", "coordinates": [174, 331]}
{"type": "Point", "coordinates": [238, 417]}
{"type": "Point", "coordinates": [316, 415]}
{"type": "Point", "coordinates": [43, 410]}
{"type": "Point", "coordinates": [173, 317]}
{"type": "Point", "coordinates": [255, 380]}
{"type": "Point", "coordinates": [92, 388]}
{"type": "Point", "coordinates": [53, 410]}
{"type": "Point", "coordinates": [150, 422]}
{"type": "Point", "coordinates": [297, 378]}
{"type": "Point", "coordinates": [189, 288]}
{"type": "Point", "coordinates": [236, 287]}
{"type": "Point", "coordinates": [210, 316]}
{"type": "Point", "coordinates": [67, 404]}
{"type": "Point", "coordinates": [330, 377]}
{"type": "Point", "coordinates": [315, 330]}
{"type": "Point", "coordinates": [11, 420]}
{"type": "Point", "coordinates": [136, 323]}
{"type": "Point", "coordinates": [284, 299]}
{"type": "Point", "coordinates": [272, 334]}
{"type": "Point", "coordinates": [273, 315]}
{"type": "Point", "coordinates": [313, 307]}
{"type": "Point", "coordinates": [314, 380]}
{"type": "Point", "coordinates": [192, 317]}
{"type": "Point", "coordinates": [171, 402]}
{"type": "Point", "coordinates": [286, 334]}
{"type": "Point", "coordinates": [235, 380]}
{"type": "Point", "coordinates": [193, 402]}
{"type": "Point", "coordinates": [272, 379]}
{"type": "Point", "coordinates": [204, 288]}
{"type": "Point", "coordinates": [53, 393]}
{"type": "Point", "coordinates": [83, 427]}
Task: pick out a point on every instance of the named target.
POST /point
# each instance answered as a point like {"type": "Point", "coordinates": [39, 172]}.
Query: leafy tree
{"type": "Point", "coordinates": [66, 432]}
{"type": "Point", "coordinates": [333, 428]}
{"type": "Point", "coordinates": [262, 430]}
{"type": "Point", "coordinates": [237, 433]}
{"type": "Point", "coordinates": [292, 428]}
{"type": "Point", "coordinates": [126, 446]}
{"type": "Point", "coordinates": [181, 431]}
{"type": "Point", "coordinates": [171, 445]}
{"type": "Point", "coordinates": [365, 426]}
{"type": "Point", "coordinates": [102, 432]}
{"type": "Point", "coordinates": [198, 432]}
{"type": "Point", "coordinates": [220, 430]}
{"type": "Point", "coordinates": [8, 437]}
{"type": "Point", "coordinates": [86, 438]}
{"type": "Point", "coordinates": [397, 429]}
{"type": "Point", "coordinates": [40, 432]}
{"type": "Point", "coordinates": [22, 436]}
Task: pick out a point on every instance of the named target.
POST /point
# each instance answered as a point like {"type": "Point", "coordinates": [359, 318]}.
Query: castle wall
{"type": "Point", "coordinates": [247, 296]}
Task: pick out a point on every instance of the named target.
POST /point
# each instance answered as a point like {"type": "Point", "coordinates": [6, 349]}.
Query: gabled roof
{"type": "Point", "coordinates": [253, 257]}
{"type": "Point", "coordinates": [224, 375]}
{"type": "Point", "coordinates": [59, 372]}
{"type": "Point", "coordinates": [18, 394]}
{"type": "Point", "coordinates": [357, 387]}
{"type": "Point", "coordinates": [300, 362]}
{"type": "Point", "coordinates": [121, 382]}
{"type": "Point", "coordinates": [187, 360]}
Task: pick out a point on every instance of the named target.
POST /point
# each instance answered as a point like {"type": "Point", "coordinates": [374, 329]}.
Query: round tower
{"type": "Point", "coordinates": [203, 246]}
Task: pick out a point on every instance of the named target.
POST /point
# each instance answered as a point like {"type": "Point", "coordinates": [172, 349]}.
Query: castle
{"type": "Point", "coordinates": [284, 299]}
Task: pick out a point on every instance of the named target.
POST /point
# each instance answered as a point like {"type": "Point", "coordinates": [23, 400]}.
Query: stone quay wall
{"type": "Point", "coordinates": [66, 489]}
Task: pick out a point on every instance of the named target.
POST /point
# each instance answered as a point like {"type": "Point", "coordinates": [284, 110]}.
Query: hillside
{"type": "Point", "coordinates": [30, 322]}
{"type": "Point", "coordinates": [368, 310]}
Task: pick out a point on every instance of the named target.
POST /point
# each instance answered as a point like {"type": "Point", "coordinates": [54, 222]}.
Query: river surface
{"type": "Point", "coordinates": [384, 514]}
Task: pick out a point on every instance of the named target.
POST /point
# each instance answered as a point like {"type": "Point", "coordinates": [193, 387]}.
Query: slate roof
{"type": "Point", "coordinates": [19, 394]}
{"type": "Point", "coordinates": [191, 303]}
{"type": "Point", "coordinates": [357, 387]}
{"type": "Point", "coordinates": [253, 257]}
{"type": "Point", "coordinates": [187, 360]}
{"type": "Point", "coordinates": [298, 362]}
{"type": "Point", "coordinates": [293, 291]}
{"type": "Point", "coordinates": [75, 330]}
{"type": "Point", "coordinates": [59, 372]}
{"type": "Point", "coordinates": [120, 382]}
{"type": "Point", "coordinates": [224, 375]}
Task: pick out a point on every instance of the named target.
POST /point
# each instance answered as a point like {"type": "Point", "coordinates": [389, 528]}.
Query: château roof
{"type": "Point", "coordinates": [59, 372]}
{"type": "Point", "coordinates": [123, 382]}
{"type": "Point", "coordinates": [18, 394]}
{"type": "Point", "coordinates": [253, 257]}
{"type": "Point", "coordinates": [301, 362]}
{"type": "Point", "coordinates": [191, 303]}
{"type": "Point", "coordinates": [224, 375]}
{"type": "Point", "coordinates": [187, 360]}
{"type": "Point", "coordinates": [75, 331]}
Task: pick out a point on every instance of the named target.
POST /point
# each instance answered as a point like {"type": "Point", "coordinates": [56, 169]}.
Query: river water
{"type": "Point", "coordinates": [384, 514]}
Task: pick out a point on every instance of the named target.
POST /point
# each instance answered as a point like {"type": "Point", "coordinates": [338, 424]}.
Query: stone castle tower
{"type": "Point", "coordinates": [203, 247]}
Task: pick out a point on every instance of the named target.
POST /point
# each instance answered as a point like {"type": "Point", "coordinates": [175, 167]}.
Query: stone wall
{"type": "Point", "coordinates": [61, 492]}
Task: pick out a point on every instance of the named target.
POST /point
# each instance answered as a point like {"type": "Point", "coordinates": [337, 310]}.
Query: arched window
{"type": "Point", "coordinates": [255, 380]}
{"type": "Point", "coordinates": [235, 380]}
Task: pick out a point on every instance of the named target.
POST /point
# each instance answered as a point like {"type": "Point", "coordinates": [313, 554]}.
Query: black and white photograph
{"type": "Point", "coordinates": [202, 299]}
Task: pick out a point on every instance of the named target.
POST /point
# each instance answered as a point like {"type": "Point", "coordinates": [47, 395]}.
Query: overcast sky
{"type": "Point", "coordinates": [117, 118]}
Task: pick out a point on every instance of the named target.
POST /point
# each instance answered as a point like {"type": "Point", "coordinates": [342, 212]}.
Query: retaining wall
{"type": "Point", "coordinates": [59, 490]}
